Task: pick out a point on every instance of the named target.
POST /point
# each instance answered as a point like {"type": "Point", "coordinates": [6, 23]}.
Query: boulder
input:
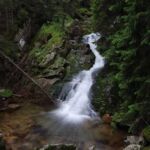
{"type": "Point", "coordinates": [13, 106]}
{"type": "Point", "coordinates": [134, 140]}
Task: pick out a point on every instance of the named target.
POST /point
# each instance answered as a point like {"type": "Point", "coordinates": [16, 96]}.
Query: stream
{"type": "Point", "coordinates": [21, 132]}
{"type": "Point", "coordinates": [74, 121]}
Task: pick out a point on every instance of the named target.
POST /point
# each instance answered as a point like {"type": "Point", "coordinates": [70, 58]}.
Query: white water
{"type": "Point", "coordinates": [75, 101]}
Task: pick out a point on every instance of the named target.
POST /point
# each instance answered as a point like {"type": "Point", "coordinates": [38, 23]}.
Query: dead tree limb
{"type": "Point", "coordinates": [26, 75]}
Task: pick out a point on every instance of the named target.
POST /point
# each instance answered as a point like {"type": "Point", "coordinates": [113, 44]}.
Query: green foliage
{"type": "Point", "coordinates": [125, 44]}
{"type": "Point", "coordinates": [146, 133]}
{"type": "Point", "coordinates": [127, 117]}
{"type": "Point", "coordinates": [6, 93]}
{"type": "Point", "coordinates": [49, 36]}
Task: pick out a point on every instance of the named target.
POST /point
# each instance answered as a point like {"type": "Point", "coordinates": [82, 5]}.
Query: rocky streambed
{"type": "Point", "coordinates": [20, 131]}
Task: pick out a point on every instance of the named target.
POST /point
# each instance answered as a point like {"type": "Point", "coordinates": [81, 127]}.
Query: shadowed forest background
{"type": "Point", "coordinates": [44, 38]}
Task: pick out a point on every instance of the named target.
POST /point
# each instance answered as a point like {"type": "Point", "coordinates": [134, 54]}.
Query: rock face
{"type": "Point", "coordinates": [53, 62]}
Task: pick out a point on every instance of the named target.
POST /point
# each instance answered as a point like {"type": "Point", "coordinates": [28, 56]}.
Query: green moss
{"type": "Point", "coordinates": [59, 62]}
{"type": "Point", "coordinates": [49, 36]}
{"type": "Point", "coordinates": [85, 11]}
{"type": "Point", "coordinates": [68, 21]}
{"type": "Point", "coordinates": [6, 93]}
{"type": "Point", "coordinates": [127, 117]}
{"type": "Point", "coordinates": [146, 133]}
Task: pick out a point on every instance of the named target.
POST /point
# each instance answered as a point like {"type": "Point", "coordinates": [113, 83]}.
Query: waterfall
{"type": "Point", "coordinates": [75, 103]}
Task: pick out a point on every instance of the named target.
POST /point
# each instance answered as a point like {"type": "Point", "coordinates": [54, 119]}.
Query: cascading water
{"type": "Point", "coordinates": [74, 102]}
{"type": "Point", "coordinates": [77, 106]}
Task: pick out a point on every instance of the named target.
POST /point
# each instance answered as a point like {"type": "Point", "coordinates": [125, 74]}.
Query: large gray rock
{"type": "Point", "coordinates": [134, 142]}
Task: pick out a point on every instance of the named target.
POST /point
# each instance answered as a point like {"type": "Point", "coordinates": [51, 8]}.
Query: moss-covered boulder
{"type": "Point", "coordinates": [146, 133]}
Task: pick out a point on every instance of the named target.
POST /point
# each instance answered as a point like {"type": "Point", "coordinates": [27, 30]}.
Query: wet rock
{"type": "Point", "coordinates": [107, 118]}
{"type": "Point", "coordinates": [13, 107]}
{"type": "Point", "coordinates": [86, 49]}
{"type": "Point", "coordinates": [134, 140]}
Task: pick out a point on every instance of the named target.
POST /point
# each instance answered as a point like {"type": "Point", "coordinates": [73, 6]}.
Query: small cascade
{"type": "Point", "coordinates": [75, 101]}
{"type": "Point", "coordinates": [73, 118]}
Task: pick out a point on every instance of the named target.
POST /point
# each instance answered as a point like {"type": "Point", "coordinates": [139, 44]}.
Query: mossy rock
{"type": "Point", "coordinates": [48, 37]}
{"type": "Point", "coordinates": [59, 62]}
{"type": "Point", "coordinates": [5, 93]}
{"type": "Point", "coordinates": [146, 133]}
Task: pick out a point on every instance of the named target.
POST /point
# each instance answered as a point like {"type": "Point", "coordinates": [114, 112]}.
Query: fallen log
{"type": "Point", "coordinates": [26, 75]}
